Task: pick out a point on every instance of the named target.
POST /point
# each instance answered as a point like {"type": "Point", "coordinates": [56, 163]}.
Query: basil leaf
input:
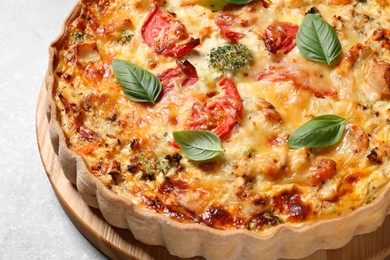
{"type": "Point", "coordinates": [317, 40]}
{"type": "Point", "coordinates": [137, 83]}
{"type": "Point", "coordinates": [320, 131]}
{"type": "Point", "coordinates": [198, 145]}
{"type": "Point", "coordinates": [239, 2]}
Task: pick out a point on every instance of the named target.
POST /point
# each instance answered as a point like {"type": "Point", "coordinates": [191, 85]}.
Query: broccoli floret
{"type": "Point", "coordinates": [230, 58]}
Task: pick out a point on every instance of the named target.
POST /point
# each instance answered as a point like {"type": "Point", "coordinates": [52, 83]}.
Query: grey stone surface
{"type": "Point", "coordinates": [32, 223]}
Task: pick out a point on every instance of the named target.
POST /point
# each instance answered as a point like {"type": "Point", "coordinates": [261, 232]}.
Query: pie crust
{"type": "Point", "coordinates": [189, 240]}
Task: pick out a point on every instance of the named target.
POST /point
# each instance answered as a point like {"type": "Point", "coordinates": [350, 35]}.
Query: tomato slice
{"type": "Point", "coordinates": [224, 22]}
{"type": "Point", "coordinates": [219, 113]}
{"type": "Point", "coordinates": [164, 33]}
{"type": "Point", "coordinates": [189, 71]}
{"type": "Point", "coordinates": [280, 37]}
{"type": "Point", "coordinates": [185, 74]}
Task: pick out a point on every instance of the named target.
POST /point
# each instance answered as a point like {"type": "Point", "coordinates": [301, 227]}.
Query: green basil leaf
{"type": "Point", "coordinates": [320, 131]}
{"type": "Point", "coordinates": [317, 40]}
{"type": "Point", "coordinates": [137, 83]}
{"type": "Point", "coordinates": [239, 2]}
{"type": "Point", "coordinates": [198, 145]}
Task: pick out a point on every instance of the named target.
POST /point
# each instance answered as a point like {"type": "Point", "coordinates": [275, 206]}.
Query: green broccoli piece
{"type": "Point", "coordinates": [230, 58]}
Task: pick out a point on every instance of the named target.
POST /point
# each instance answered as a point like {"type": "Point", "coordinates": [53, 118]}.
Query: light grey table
{"type": "Point", "coordinates": [32, 222]}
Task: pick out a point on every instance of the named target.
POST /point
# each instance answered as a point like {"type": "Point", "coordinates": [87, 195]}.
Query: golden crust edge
{"type": "Point", "coordinates": [187, 239]}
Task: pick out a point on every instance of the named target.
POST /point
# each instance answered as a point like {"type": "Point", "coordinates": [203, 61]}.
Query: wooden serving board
{"type": "Point", "coordinates": [119, 243]}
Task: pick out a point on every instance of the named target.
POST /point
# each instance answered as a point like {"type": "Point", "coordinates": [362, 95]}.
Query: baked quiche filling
{"type": "Point", "coordinates": [242, 72]}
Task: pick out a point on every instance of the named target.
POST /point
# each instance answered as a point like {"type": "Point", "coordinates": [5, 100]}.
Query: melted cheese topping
{"type": "Point", "coordinates": [258, 182]}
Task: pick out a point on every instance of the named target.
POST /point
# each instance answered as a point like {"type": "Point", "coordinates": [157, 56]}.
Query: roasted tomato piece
{"type": "Point", "coordinates": [219, 113]}
{"type": "Point", "coordinates": [185, 74]}
{"type": "Point", "coordinates": [165, 34]}
{"type": "Point", "coordinates": [280, 36]}
{"type": "Point", "coordinates": [224, 22]}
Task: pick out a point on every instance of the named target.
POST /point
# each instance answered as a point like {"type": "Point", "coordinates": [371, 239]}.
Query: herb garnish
{"type": "Point", "coordinates": [137, 83]}
{"type": "Point", "coordinates": [198, 145]}
{"type": "Point", "coordinates": [79, 36]}
{"type": "Point", "coordinates": [320, 131]}
{"type": "Point", "coordinates": [317, 40]}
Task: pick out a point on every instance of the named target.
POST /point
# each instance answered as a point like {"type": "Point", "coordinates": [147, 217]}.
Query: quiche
{"type": "Point", "coordinates": [227, 129]}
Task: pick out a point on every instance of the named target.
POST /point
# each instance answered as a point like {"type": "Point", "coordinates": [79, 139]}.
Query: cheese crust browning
{"type": "Point", "coordinates": [258, 182]}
